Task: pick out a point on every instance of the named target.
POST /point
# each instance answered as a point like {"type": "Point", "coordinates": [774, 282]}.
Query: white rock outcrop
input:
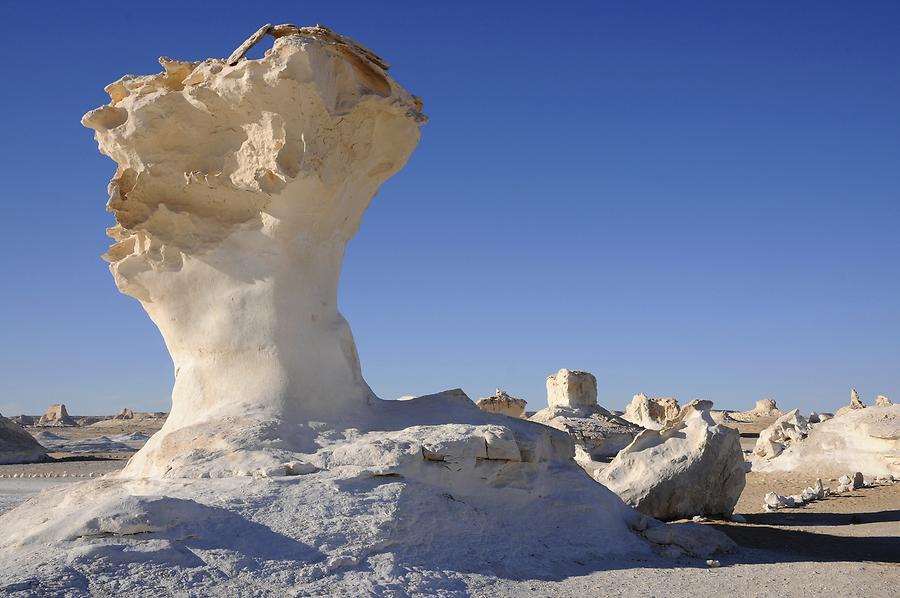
{"type": "Point", "coordinates": [278, 471]}
{"type": "Point", "coordinates": [571, 389]}
{"type": "Point", "coordinates": [572, 407]}
{"type": "Point", "coordinates": [883, 401]}
{"type": "Point", "coordinates": [503, 404]}
{"type": "Point", "coordinates": [787, 429]}
{"type": "Point", "coordinates": [855, 403]}
{"type": "Point", "coordinates": [864, 440]}
{"type": "Point", "coordinates": [651, 413]}
{"type": "Point", "coordinates": [691, 467]}
{"type": "Point", "coordinates": [17, 445]}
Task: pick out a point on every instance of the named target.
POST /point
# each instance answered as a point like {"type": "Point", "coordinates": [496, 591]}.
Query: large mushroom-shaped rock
{"type": "Point", "coordinates": [651, 413]}
{"type": "Point", "coordinates": [855, 403]}
{"type": "Point", "coordinates": [503, 404]}
{"type": "Point", "coordinates": [865, 440]}
{"type": "Point", "coordinates": [239, 183]}
{"type": "Point", "coordinates": [572, 407]}
{"type": "Point", "coordinates": [17, 445]}
{"type": "Point", "coordinates": [237, 190]}
{"type": "Point", "coordinates": [691, 467]}
{"type": "Point", "coordinates": [56, 415]}
{"type": "Point", "coordinates": [787, 429]}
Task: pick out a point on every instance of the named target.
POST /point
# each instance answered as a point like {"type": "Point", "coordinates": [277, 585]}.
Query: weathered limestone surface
{"type": "Point", "coordinates": [237, 188]}
{"type": "Point", "coordinates": [691, 467]}
{"type": "Point", "coordinates": [503, 404]}
{"type": "Point", "coordinates": [786, 430]}
{"type": "Point", "coordinates": [17, 445]}
{"type": "Point", "coordinates": [571, 388]}
{"type": "Point", "coordinates": [572, 407]}
{"type": "Point", "coordinates": [864, 440]}
{"type": "Point", "coordinates": [651, 413]}
{"type": "Point", "coordinates": [883, 401]}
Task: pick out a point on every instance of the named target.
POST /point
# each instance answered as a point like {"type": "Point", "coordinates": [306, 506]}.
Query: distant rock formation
{"type": "Point", "coordinates": [17, 445]}
{"type": "Point", "coordinates": [651, 413]}
{"type": "Point", "coordinates": [766, 408]}
{"type": "Point", "coordinates": [572, 389]}
{"type": "Point", "coordinates": [866, 440]}
{"type": "Point", "coordinates": [787, 429]}
{"type": "Point", "coordinates": [855, 403]}
{"type": "Point", "coordinates": [572, 407]}
{"type": "Point", "coordinates": [691, 467]}
{"type": "Point", "coordinates": [56, 416]}
{"type": "Point", "coordinates": [883, 401]}
{"type": "Point", "coordinates": [126, 413]}
{"type": "Point", "coordinates": [503, 404]}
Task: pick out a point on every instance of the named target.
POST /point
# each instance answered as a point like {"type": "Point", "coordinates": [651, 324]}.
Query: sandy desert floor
{"type": "Point", "coordinates": [842, 545]}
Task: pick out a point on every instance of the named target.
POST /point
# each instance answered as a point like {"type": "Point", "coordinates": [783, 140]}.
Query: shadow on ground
{"type": "Point", "coordinates": [786, 545]}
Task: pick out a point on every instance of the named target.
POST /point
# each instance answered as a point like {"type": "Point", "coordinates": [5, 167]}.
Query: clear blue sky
{"type": "Point", "coordinates": [685, 198]}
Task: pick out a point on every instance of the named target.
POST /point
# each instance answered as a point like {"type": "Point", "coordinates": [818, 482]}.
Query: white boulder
{"type": "Point", "coordinates": [651, 413]}
{"type": "Point", "coordinates": [692, 466]}
{"type": "Point", "coordinates": [883, 401]}
{"type": "Point", "coordinates": [787, 429]}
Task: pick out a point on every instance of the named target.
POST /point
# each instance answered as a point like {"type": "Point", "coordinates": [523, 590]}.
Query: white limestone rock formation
{"type": "Point", "coordinates": [651, 413]}
{"type": "Point", "coordinates": [765, 408]}
{"type": "Point", "coordinates": [787, 429]}
{"type": "Point", "coordinates": [855, 403]}
{"type": "Point", "coordinates": [691, 467]}
{"type": "Point", "coordinates": [571, 389]}
{"type": "Point", "coordinates": [503, 404]}
{"type": "Point", "coordinates": [278, 471]}
{"type": "Point", "coordinates": [56, 415]}
{"type": "Point", "coordinates": [17, 445]}
{"type": "Point", "coordinates": [572, 407]}
{"type": "Point", "coordinates": [864, 440]}
{"type": "Point", "coordinates": [883, 401]}
{"type": "Point", "coordinates": [236, 192]}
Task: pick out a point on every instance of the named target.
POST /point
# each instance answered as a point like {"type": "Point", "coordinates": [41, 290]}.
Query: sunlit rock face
{"type": "Point", "coordinates": [236, 191]}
